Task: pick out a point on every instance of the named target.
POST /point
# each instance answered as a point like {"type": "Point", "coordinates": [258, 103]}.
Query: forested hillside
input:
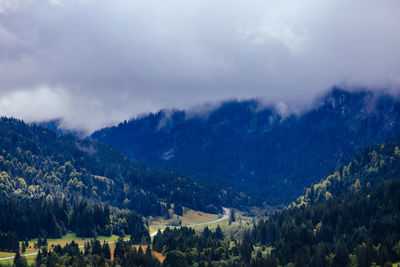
{"type": "Point", "coordinates": [51, 184]}
{"type": "Point", "coordinates": [255, 149]}
{"type": "Point", "coordinates": [367, 169]}
{"type": "Point", "coordinates": [356, 228]}
{"type": "Point", "coordinates": [350, 217]}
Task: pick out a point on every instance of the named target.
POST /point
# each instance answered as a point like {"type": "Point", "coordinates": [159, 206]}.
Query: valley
{"type": "Point", "coordinates": [76, 193]}
{"type": "Point", "coordinates": [199, 133]}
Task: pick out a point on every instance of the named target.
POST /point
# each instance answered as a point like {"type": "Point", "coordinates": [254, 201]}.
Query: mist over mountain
{"type": "Point", "coordinates": [56, 126]}
{"type": "Point", "coordinates": [257, 149]}
{"type": "Point", "coordinates": [95, 63]}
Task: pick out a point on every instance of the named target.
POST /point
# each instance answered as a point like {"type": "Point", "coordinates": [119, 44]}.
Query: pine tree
{"type": "Point", "coordinates": [86, 249]}
{"type": "Point", "coordinates": [106, 251]}
{"type": "Point", "coordinates": [96, 248]}
{"type": "Point", "coordinates": [19, 261]}
{"type": "Point", "coordinates": [341, 258]}
{"type": "Point", "coordinates": [148, 252]}
{"type": "Point", "coordinates": [232, 217]}
{"type": "Point", "coordinates": [178, 209]}
{"type": "Point", "coordinates": [218, 233]}
{"type": "Point", "coordinates": [119, 249]}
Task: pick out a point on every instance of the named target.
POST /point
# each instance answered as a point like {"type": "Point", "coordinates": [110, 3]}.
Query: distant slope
{"type": "Point", "coordinates": [256, 150]}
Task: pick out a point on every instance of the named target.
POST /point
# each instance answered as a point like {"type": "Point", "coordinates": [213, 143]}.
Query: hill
{"type": "Point", "coordinates": [52, 184]}
{"type": "Point", "coordinates": [351, 216]}
{"type": "Point", "coordinates": [255, 149]}
{"type": "Point", "coordinates": [368, 168]}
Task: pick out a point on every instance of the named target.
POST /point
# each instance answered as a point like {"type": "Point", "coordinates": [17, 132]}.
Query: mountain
{"type": "Point", "coordinates": [255, 149]}
{"type": "Point", "coordinates": [51, 184]}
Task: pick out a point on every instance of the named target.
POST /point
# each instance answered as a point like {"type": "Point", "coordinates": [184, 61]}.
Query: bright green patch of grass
{"type": "Point", "coordinates": [30, 260]}
{"type": "Point", "coordinates": [189, 217]}
{"type": "Point", "coordinates": [6, 254]}
{"type": "Point", "coordinates": [68, 238]}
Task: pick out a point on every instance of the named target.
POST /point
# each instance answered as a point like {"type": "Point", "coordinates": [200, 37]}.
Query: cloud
{"type": "Point", "coordinates": [94, 63]}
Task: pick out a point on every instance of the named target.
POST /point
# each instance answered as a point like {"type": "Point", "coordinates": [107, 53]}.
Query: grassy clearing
{"type": "Point", "coordinates": [189, 217]}
{"type": "Point", "coordinates": [212, 226]}
{"type": "Point", "coordinates": [68, 238]}
{"type": "Point", "coordinates": [195, 217]}
{"type": "Point", "coordinates": [29, 259]}
{"type": "Point", "coordinates": [6, 254]}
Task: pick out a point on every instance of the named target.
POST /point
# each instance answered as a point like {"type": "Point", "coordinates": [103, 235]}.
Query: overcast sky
{"type": "Point", "coordinates": [94, 63]}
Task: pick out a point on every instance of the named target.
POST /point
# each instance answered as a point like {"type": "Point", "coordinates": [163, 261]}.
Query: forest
{"type": "Point", "coordinates": [358, 228]}
{"type": "Point", "coordinates": [36, 161]}
{"type": "Point", "coordinates": [51, 185]}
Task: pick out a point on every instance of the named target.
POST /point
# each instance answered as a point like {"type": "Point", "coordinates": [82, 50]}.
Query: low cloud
{"type": "Point", "coordinates": [94, 63]}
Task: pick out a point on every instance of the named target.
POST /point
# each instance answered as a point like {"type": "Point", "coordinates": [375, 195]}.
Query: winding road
{"type": "Point", "coordinates": [225, 216]}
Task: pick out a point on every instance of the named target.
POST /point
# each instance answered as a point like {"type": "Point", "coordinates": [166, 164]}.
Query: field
{"type": "Point", "coordinates": [196, 217]}
{"type": "Point", "coordinates": [68, 238]}
{"type": "Point", "coordinates": [29, 260]}
{"type": "Point", "coordinates": [189, 217]}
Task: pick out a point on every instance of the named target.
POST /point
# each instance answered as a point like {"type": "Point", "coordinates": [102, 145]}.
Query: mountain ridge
{"type": "Point", "coordinates": [258, 150]}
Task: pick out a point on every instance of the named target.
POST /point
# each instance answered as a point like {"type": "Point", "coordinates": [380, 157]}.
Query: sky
{"type": "Point", "coordinates": [93, 63]}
